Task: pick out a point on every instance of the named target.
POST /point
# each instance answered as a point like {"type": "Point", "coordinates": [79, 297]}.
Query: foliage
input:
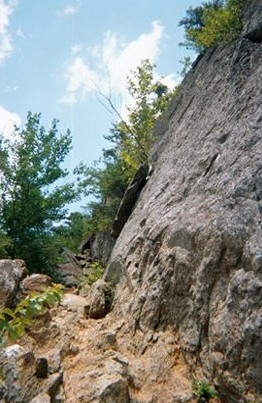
{"type": "Point", "coordinates": [109, 296]}
{"type": "Point", "coordinates": [71, 232]}
{"type": "Point", "coordinates": [5, 243]}
{"type": "Point", "coordinates": [212, 23]}
{"type": "Point", "coordinates": [133, 137]}
{"type": "Point", "coordinates": [105, 181]}
{"type": "Point", "coordinates": [186, 65]}
{"type": "Point", "coordinates": [203, 391]}
{"type": "Point", "coordinates": [30, 199]}
{"type": "Point", "coordinates": [13, 322]}
{"type": "Point", "coordinates": [96, 271]}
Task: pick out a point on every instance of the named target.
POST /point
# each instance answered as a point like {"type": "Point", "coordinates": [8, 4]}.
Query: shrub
{"type": "Point", "coordinates": [203, 391]}
{"type": "Point", "coordinates": [13, 322]}
{"type": "Point", "coordinates": [212, 23]}
{"type": "Point", "coordinates": [96, 271]}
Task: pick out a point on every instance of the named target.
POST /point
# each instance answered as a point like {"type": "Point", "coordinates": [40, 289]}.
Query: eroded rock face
{"type": "Point", "coordinates": [192, 247]}
{"type": "Point", "coordinates": [25, 378]}
{"type": "Point", "coordinates": [252, 20]}
{"type": "Point", "coordinates": [11, 273]}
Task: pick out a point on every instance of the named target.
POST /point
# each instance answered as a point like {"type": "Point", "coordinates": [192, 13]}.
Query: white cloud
{"type": "Point", "coordinates": [7, 122]}
{"type": "Point", "coordinates": [111, 64]}
{"type": "Point", "coordinates": [76, 48]}
{"type": "Point", "coordinates": [6, 47]}
{"type": "Point", "coordinates": [20, 33]}
{"type": "Point", "coordinates": [81, 80]}
{"type": "Point", "coordinates": [68, 11]}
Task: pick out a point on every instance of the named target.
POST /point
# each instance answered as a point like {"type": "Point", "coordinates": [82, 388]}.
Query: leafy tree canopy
{"type": "Point", "coordinates": [30, 198]}
{"type": "Point", "coordinates": [131, 140]}
{"type": "Point", "coordinates": [213, 22]}
{"type": "Point", "coordinates": [133, 136]}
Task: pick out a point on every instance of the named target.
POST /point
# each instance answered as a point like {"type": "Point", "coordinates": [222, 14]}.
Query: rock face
{"type": "Point", "coordinates": [22, 379]}
{"type": "Point", "coordinates": [11, 273]}
{"type": "Point", "coordinates": [130, 197]}
{"type": "Point", "coordinates": [252, 21]}
{"type": "Point", "coordinates": [192, 248]}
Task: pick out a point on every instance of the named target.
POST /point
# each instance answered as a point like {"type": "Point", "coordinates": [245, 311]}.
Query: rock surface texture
{"type": "Point", "coordinates": [11, 273]}
{"type": "Point", "coordinates": [192, 248]}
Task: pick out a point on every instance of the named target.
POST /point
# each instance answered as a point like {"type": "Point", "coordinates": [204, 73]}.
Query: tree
{"type": "Point", "coordinates": [131, 139]}
{"type": "Point", "coordinates": [133, 136]}
{"type": "Point", "coordinates": [212, 23]}
{"type": "Point", "coordinates": [71, 232]}
{"type": "Point", "coordinates": [30, 198]}
{"type": "Point", "coordinates": [106, 182]}
{"type": "Point", "coordinates": [186, 65]}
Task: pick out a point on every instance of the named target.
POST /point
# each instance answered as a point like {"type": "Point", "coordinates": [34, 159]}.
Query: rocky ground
{"type": "Point", "coordinates": [92, 360]}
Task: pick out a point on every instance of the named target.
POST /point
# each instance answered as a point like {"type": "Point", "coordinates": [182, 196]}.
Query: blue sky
{"type": "Point", "coordinates": [54, 54]}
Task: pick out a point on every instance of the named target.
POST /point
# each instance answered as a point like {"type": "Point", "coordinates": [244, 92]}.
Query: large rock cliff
{"type": "Point", "coordinates": [189, 259]}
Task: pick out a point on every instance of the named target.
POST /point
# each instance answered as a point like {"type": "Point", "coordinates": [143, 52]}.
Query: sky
{"type": "Point", "coordinates": [57, 55]}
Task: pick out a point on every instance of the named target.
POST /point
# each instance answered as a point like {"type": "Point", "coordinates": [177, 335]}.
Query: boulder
{"type": "Point", "coordinates": [25, 378]}
{"type": "Point", "coordinates": [99, 304]}
{"type": "Point", "coordinates": [70, 275]}
{"type": "Point", "coordinates": [113, 390]}
{"type": "Point", "coordinates": [19, 367]}
{"type": "Point", "coordinates": [74, 303]}
{"type": "Point", "coordinates": [11, 273]}
{"type": "Point", "coordinates": [35, 283]}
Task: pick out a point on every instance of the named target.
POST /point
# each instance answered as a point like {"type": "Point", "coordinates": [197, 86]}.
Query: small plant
{"type": "Point", "coordinates": [109, 296]}
{"type": "Point", "coordinates": [13, 322]}
{"type": "Point", "coordinates": [186, 66]}
{"type": "Point", "coordinates": [96, 271]}
{"type": "Point", "coordinates": [203, 391]}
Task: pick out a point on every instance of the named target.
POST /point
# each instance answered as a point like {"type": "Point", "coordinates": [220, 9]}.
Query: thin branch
{"type": "Point", "coordinates": [114, 111]}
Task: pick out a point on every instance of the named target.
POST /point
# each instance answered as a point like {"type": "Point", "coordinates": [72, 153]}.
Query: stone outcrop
{"type": "Point", "coordinates": [252, 21]}
{"type": "Point", "coordinates": [24, 380]}
{"type": "Point", "coordinates": [130, 197]}
{"type": "Point", "coordinates": [192, 247]}
{"type": "Point", "coordinates": [11, 273]}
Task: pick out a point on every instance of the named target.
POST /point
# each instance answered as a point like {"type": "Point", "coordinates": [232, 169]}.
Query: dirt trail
{"type": "Point", "coordinates": [103, 361]}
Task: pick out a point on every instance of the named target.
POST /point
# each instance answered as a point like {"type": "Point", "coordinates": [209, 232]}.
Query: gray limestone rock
{"type": "Point", "coordinates": [113, 390]}
{"type": "Point", "coordinates": [192, 247]}
{"type": "Point", "coordinates": [11, 273]}
{"type": "Point", "coordinates": [19, 367]}
{"type": "Point", "coordinates": [252, 20]}
{"type": "Point", "coordinates": [99, 304]}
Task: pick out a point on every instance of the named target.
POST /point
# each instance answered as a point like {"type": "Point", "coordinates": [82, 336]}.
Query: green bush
{"type": "Point", "coordinates": [13, 322]}
{"type": "Point", "coordinates": [203, 391]}
{"type": "Point", "coordinates": [96, 271]}
{"type": "Point", "coordinates": [212, 23]}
